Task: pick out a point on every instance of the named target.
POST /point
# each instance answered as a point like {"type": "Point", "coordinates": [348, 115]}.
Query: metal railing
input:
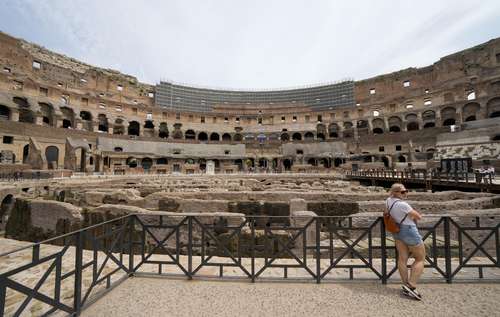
{"type": "Point", "coordinates": [85, 264]}
{"type": "Point", "coordinates": [457, 176]}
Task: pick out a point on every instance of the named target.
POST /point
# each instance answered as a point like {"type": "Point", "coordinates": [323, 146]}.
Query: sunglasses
{"type": "Point", "coordinates": [403, 191]}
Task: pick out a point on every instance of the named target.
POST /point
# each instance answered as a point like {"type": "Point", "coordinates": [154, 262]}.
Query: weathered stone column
{"type": "Point", "coordinates": [299, 217]}
{"type": "Point", "coordinates": [14, 115]}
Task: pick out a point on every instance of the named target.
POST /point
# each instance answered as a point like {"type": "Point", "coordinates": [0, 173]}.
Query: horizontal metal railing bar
{"type": "Point", "coordinates": [66, 235]}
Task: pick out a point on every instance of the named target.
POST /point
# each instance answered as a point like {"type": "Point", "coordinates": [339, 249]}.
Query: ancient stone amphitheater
{"type": "Point", "coordinates": [247, 170]}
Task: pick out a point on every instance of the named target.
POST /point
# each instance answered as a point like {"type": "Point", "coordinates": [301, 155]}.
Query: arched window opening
{"type": "Point", "coordinates": [287, 164]}
{"type": "Point", "coordinates": [412, 126]}
{"type": "Point", "coordinates": [163, 133]}
{"type": "Point", "coordinates": [146, 163]}
{"type": "Point", "coordinates": [202, 136]}
{"type": "Point", "coordinates": [26, 152]}
{"type": "Point", "coordinates": [429, 125]}
{"type": "Point", "coordinates": [148, 124]}
{"type": "Point", "coordinates": [320, 136]}
{"type": "Point", "coordinates": [238, 137]}
{"type": "Point", "coordinates": [133, 128]}
{"type": "Point", "coordinates": [285, 137]}
{"type": "Point", "coordinates": [297, 137]}
{"type": "Point", "coordinates": [402, 159]}
{"type": "Point", "coordinates": [162, 161]}
{"type": "Point", "coordinates": [131, 162]}
{"type": "Point", "coordinates": [103, 123]}
{"type": "Point", "coordinates": [309, 136]}
{"type": "Point", "coordinates": [66, 123]}
{"type": "Point", "coordinates": [394, 129]}
{"type": "Point", "coordinates": [52, 156]}
{"type": "Point", "coordinates": [4, 113]}
{"type": "Point", "coordinates": [214, 137]}
{"type": "Point", "coordinates": [470, 118]}
{"type": "Point", "coordinates": [449, 122]}
{"type": "Point", "coordinates": [496, 138]}
{"type": "Point", "coordinates": [226, 137]}
{"type": "Point", "coordinates": [190, 135]}
{"type": "Point", "coordinates": [312, 161]}
{"type": "Point", "coordinates": [378, 131]}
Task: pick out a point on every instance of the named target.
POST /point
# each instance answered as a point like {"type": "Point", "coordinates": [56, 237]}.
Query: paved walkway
{"type": "Point", "coordinates": [151, 297]}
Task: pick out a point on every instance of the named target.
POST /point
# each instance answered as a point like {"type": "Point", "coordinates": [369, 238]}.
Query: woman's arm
{"type": "Point", "coordinates": [415, 215]}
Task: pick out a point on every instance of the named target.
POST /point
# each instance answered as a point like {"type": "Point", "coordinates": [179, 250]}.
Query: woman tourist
{"type": "Point", "coordinates": [408, 240]}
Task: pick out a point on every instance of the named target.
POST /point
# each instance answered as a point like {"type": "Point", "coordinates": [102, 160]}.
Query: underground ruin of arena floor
{"type": "Point", "coordinates": [38, 210]}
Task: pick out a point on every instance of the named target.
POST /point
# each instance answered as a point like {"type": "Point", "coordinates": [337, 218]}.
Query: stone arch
{"type": "Point", "coordinates": [378, 126]}
{"type": "Point", "coordinates": [470, 111]}
{"type": "Point", "coordinates": [131, 162]}
{"type": "Point", "coordinates": [401, 159]}
{"type": "Point", "coordinates": [333, 130]}
{"type": "Point", "coordinates": [226, 137]}
{"type": "Point", "coordinates": [190, 135]}
{"type": "Point", "coordinates": [148, 124]}
{"type": "Point", "coordinates": [146, 163]}
{"type": "Point", "coordinates": [52, 156]}
{"type": "Point", "coordinates": [320, 129]}
{"type": "Point", "coordinates": [348, 131]}
{"type": "Point", "coordinates": [429, 119]}
{"type": "Point", "coordinates": [412, 122]}
{"type": "Point", "coordinates": [297, 136]}
{"type": "Point", "coordinates": [214, 136]}
{"type": "Point", "coordinates": [134, 128]}
{"type": "Point", "coordinates": [238, 137]}
{"type": "Point", "coordinates": [26, 152]}
{"type": "Point", "coordinates": [47, 112]}
{"type": "Point", "coordinates": [163, 132]}
{"type": "Point", "coordinates": [6, 207]}
{"type": "Point", "coordinates": [448, 116]}
{"type": "Point", "coordinates": [287, 164]}
{"type": "Point", "coordinates": [4, 113]}
{"type": "Point", "coordinates": [493, 107]}
{"type": "Point", "coordinates": [68, 117]}
{"type": "Point", "coordinates": [495, 137]}
{"type": "Point", "coordinates": [312, 161]}
{"type": "Point", "coordinates": [395, 124]}
{"type": "Point", "coordinates": [162, 161]}
{"type": "Point", "coordinates": [86, 118]}
{"type": "Point", "coordinates": [309, 136]}
{"type": "Point", "coordinates": [202, 136]}
{"type": "Point", "coordinates": [102, 122]}
{"type": "Point", "coordinates": [285, 137]}
{"type": "Point", "coordinates": [321, 136]}
{"type": "Point", "coordinates": [362, 127]}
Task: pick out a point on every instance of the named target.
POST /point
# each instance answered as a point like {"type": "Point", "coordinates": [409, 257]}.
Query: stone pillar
{"type": "Point", "coordinates": [299, 219]}
{"type": "Point", "coordinates": [14, 115]}
{"type": "Point", "coordinates": [355, 129]}
{"type": "Point", "coordinates": [39, 120]}
{"type": "Point", "coordinates": [79, 125]}
{"type": "Point", "coordinates": [110, 130]}
{"type": "Point", "coordinates": [370, 127]}
{"type": "Point", "coordinates": [420, 121]}
{"type": "Point", "coordinates": [96, 126]}
{"type": "Point", "coordinates": [386, 125]}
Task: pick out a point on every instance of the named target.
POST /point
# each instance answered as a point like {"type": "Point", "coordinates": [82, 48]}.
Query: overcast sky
{"type": "Point", "coordinates": [253, 44]}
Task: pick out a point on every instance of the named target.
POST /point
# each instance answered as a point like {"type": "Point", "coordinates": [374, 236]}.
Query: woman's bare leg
{"type": "Point", "coordinates": [417, 268]}
{"type": "Point", "coordinates": [403, 254]}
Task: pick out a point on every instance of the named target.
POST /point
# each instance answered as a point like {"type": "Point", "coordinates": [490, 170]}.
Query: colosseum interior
{"type": "Point", "coordinates": [82, 144]}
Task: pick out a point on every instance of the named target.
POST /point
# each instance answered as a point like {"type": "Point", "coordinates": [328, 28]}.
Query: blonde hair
{"type": "Point", "coordinates": [396, 187]}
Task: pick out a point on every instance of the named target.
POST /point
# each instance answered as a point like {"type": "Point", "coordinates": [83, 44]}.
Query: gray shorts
{"type": "Point", "coordinates": [409, 235]}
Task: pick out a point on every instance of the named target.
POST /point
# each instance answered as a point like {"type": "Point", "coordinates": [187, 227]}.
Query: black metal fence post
{"type": "Point", "coordinates": [77, 300]}
{"type": "Point", "coordinates": [318, 250]}
{"type": "Point", "coordinates": [447, 249]}
{"type": "Point", "coordinates": [190, 247]}
{"type": "Point", "coordinates": [383, 251]}
{"type": "Point", "coordinates": [3, 294]}
{"type": "Point", "coordinates": [131, 269]}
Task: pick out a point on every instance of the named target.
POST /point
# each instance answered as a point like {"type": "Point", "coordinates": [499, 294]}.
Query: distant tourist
{"type": "Point", "coordinates": [408, 240]}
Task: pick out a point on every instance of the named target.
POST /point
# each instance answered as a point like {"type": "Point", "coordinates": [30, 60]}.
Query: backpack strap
{"type": "Point", "coordinates": [399, 223]}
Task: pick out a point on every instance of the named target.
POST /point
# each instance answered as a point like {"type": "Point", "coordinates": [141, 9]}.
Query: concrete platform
{"type": "Point", "coordinates": [151, 297]}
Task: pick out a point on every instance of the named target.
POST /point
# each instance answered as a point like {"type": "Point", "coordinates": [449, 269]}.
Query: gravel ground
{"type": "Point", "coordinates": [166, 297]}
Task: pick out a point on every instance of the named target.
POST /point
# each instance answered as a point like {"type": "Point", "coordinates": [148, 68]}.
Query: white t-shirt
{"type": "Point", "coordinates": [399, 210]}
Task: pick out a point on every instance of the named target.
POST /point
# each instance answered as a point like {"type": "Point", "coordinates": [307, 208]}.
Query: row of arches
{"type": "Point", "coordinates": [448, 116]}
